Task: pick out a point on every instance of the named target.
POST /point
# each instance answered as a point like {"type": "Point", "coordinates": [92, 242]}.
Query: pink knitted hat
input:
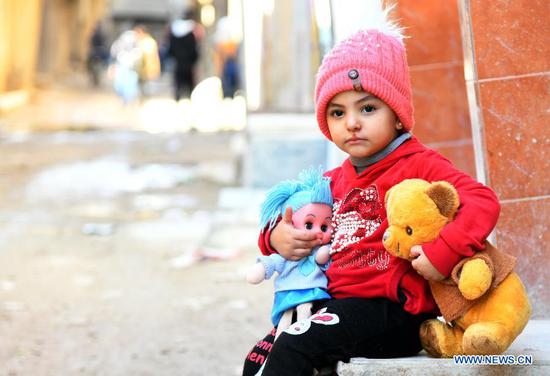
{"type": "Point", "coordinates": [370, 60]}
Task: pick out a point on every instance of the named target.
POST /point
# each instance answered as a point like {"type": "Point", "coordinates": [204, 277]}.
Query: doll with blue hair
{"type": "Point", "coordinates": [300, 282]}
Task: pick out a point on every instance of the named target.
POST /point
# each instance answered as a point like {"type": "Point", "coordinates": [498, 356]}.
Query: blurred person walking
{"type": "Point", "coordinates": [227, 66]}
{"type": "Point", "coordinates": [126, 57]}
{"type": "Point", "coordinates": [135, 61]}
{"type": "Point", "coordinates": [149, 67]}
{"type": "Point", "coordinates": [98, 55]}
{"type": "Point", "coordinates": [183, 47]}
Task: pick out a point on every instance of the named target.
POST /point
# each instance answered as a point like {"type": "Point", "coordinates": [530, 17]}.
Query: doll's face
{"type": "Point", "coordinates": [315, 217]}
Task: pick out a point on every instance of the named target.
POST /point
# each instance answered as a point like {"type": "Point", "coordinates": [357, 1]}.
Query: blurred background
{"type": "Point", "coordinates": [137, 139]}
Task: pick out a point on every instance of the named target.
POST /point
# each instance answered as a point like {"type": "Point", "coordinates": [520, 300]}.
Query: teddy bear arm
{"type": "Point", "coordinates": [475, 278]}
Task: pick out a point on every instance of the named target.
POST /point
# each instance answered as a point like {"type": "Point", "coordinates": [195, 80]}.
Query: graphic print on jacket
{"type": "Point", "coordinates": [357, 217]}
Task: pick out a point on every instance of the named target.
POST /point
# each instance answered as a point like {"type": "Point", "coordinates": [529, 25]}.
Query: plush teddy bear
{"type": "Point", "coordinates": [483, 301]}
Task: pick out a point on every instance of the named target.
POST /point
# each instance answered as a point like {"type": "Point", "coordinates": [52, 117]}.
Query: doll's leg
{"type": "Point", "coordinates": [285, 322]}
{"type": "Point", "coordinates": [303, 311]}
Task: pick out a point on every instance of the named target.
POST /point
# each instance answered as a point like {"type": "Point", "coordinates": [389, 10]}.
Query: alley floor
{"type": "Point", "coordinates": [124, 252]}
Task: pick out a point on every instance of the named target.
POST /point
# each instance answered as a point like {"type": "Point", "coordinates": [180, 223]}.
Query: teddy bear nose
{"type": "Point", "coordinates": [386, 235]}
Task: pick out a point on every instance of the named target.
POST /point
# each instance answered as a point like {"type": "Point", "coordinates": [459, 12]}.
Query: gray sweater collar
{"type": "Point", "coordinates": [361, 164]}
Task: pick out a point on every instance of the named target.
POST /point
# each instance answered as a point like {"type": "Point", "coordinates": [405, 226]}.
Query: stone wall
{"type": "Point", "coordinates": [49, 37]}
{"type": "Point", "coordinates": [63, 48]}
{"type": "Point", "coordinates": [435, 57]}
{"type": "Point", "coordinates": [290, 57]}
{"type": "Point", "coordinates": [507, 61]}
{"type": "Point", "coordinates": [19, 30]}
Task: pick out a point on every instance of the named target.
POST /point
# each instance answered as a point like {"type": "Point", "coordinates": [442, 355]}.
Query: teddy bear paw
{"type": "Point", "coordinates": [485, 339]}
{"type": "Point", "coordinates": [439, 339]}
{"type": "Point", "coordinates": [475, 279]}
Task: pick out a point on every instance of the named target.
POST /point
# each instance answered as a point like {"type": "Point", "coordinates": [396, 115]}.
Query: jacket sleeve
{"type": "Point", "coordinates": [476, 217]}
{"type": "Point", "coordinates": [263, 242]}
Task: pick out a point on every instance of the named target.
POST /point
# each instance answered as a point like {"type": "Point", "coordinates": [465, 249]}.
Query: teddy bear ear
{"type": "Point", "coordinates": [445, 197]}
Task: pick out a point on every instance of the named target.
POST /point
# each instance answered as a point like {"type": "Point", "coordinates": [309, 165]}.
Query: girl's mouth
{"type": "Point", "coordinates": [354, 140]}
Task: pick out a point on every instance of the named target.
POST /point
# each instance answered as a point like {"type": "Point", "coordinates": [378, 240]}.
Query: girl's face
{"type": "Point", "coordinates": [360, 124]}
{"type": "Point", "coordinates": [314, 217]}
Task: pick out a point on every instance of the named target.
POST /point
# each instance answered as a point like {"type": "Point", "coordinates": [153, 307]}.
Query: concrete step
{"type": "Point", "coordinates": [534, 341]}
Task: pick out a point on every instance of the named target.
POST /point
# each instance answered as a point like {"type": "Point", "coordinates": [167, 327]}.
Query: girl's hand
{"type": "Point", "coordinates": [423, 266]}
{"type": "Point", "coordinates": [292, 243]}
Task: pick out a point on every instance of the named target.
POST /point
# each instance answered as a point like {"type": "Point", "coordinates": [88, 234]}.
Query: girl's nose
{"type": "Point", "coordinates": [352, 122]}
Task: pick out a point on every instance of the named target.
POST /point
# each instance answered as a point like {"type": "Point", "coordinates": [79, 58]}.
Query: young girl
{"type": "Point", "coordinates": [364, 105]}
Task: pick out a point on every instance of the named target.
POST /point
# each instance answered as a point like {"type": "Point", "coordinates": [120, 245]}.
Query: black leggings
{"type": "Point", "coordinates": [341, 329]}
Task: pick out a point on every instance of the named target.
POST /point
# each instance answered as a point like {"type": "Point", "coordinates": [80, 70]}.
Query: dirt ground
{"type": "Point", "coordinates": [118, 255]}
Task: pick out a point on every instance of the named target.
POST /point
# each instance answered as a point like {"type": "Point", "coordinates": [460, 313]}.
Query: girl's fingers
{"type": "Point", "coordinates": [305, 236]}
{"type": "Point", "coordinates": [302, 252]}
{"type": "Point", "coordinates": [287, 217]}
{"type": "Point", "coordinates": [305, 244]}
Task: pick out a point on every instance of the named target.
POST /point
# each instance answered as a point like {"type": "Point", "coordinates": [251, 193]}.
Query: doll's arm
{"type": "Point", "coordinates": [264, 268]}
{"type": "Point", "coordinates": [322, 255]}
{"type": "Point", "coordinates": [256, 274]}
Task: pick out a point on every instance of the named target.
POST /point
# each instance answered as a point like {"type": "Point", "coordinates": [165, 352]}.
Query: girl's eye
{"type": "Point", "coordinates": [337, 113]}
{"type": "Point", "coordinates": [409, 230]}
{"type": "Point", "coordinates": [309, 225]}
{"type": "Point", "coordinates": [324, 228]}
{"type": "Point", "coordinates": [368, 108]}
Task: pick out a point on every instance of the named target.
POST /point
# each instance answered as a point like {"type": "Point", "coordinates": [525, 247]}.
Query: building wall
{"type": "Point", "coordinates": [45, 36]}
{"type": "Point", "coordinates": [19, 30]}
{"type": "Point", "coordinates": [290, 58]}
{"type": "Point", "coordinates": [150, 8]}
{"type": "Point", "coordinates": [63, 48]}
{"type": "Point", "coordinates": [435, 57]}
{"type": "Point", "coordinates": [508, 79]}
{"type": "Point", "coordinates": [480, 73]}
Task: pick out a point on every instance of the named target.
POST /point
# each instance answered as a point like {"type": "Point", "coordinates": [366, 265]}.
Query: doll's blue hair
{"type": "Point", "coordinates": [310, 188]}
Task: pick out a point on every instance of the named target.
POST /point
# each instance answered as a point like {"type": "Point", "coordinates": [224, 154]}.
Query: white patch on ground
{"type": "Point", "coordinates": [7, 285]}
{"type": "Point", "coordinates": [237, 304]}
{"type": "Point", "coordinates": [162, 202]}
{"type": "Point", "coordinates": [104, 178]}
{"type": "Point", "coordinates": [222, 172]}
{"type": "Point", "coordinates": [102, 210]}
{"type": "Point", "coordinates": [196, 304]}
{"type": "Point", "coordinates": [13, 306]}
{"type": "Point", "coordinates": [98, 229]}
{"type": "Point", "coordinates": [173, 226]}
{"type": "Point", "coordinates": [84, 280]}
{"type": "Point", "coordinates": [111, 294]}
